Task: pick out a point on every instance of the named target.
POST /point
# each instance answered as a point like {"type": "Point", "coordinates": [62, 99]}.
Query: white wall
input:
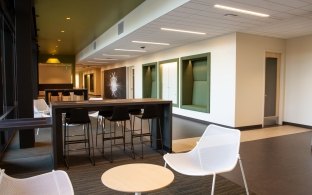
{"type": "Point", "coordinates": [223, 59]}
{"type": "Point", "coordinates": [237, 76]}
{"type": "Point", "coordinates": [54, 73]}
{"type": "Point", "coordinates": [250, 77]}
{"type": "Point", "coordinates": [298, 90]}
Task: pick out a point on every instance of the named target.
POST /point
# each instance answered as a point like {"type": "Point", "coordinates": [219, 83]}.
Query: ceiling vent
{"type": "Point", "coordinates": [120, 28]}
{"type": "Point", "coordinates": [94, 45]}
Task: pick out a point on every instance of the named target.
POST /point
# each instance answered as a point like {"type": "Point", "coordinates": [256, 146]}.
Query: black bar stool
{"type": "Point", "coordinates": [103, 114]}
{"type": "Point", "coordinates": [54, 94]}
{"type": "Point", "coordinates": [65, 96]}
{"type": "Point", "coordinates": [78, 116]}
{"type": "Point", "coordinates": [151, 112]}
{"type": "Point", "coordinates": [78, 95]}
{"type": "Point", "coordinates": [120, 114]}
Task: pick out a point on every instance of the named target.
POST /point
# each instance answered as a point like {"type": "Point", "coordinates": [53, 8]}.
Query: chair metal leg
{"type": "Point", "coordinates": [131, 133]}
{"type": "Point", "coordinates": [124, 135]}
{"type": "Point", "coordinates": [97, 129]}
{"type": "Point", "coordinates": [66, 146]}
{"type": "Point", "coordinates": [103, 133]}
{"type": "Point", "coordinates": [243, 174]}
{"type": "Point", "coordinates": [92, 146]}
{"type": "Point", "coordinates": [213, 184]}
{"type": "Point", "coordinates": [111, 141]}
{"type": "Point", "coordinates": [141, 139]}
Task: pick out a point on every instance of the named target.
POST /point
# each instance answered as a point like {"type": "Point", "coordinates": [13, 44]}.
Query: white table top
{"type": "Point", "coordinates": [137, 177]}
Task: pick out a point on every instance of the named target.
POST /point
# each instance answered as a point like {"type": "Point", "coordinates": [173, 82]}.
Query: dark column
{"type": "Point", "coordinates": [24, 73]}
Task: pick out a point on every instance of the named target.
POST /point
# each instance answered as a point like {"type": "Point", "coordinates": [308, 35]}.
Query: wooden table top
{"type": "Point", "coordinates": [137, 177]}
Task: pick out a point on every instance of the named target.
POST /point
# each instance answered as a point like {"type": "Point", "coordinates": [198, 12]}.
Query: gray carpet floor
{"type": "Point", "coordinates": [85, 178]}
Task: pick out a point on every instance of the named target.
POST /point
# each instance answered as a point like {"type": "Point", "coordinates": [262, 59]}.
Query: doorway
{"type": "Point", "coordinates": [131, 82]}
{"type": "Point", "coordinates": [272, 88]}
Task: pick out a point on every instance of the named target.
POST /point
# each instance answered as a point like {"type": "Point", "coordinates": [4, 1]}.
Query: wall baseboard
{"type": "Point", "coordinates": [297, 125]}
{"type": "Point", "coordinates": [242, 128]}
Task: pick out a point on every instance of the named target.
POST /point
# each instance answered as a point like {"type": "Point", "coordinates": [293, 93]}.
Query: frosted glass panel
{"type": "Point", "coordinates": [169, 81]}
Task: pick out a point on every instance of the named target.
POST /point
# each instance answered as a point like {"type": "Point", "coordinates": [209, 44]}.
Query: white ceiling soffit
{"type": "Point", "coordinates": [288, 19]}
{"type": "Point", "coordinates": [148, 11]}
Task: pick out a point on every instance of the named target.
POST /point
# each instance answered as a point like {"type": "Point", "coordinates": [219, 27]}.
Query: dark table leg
{"type": "Point", "coordinates": [57, 134]}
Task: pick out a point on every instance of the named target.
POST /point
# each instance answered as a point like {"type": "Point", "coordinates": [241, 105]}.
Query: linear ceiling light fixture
{"type": "Point", "coordinates": [183, 31]}
{"type": "Point", "coordinates": [241, 11]}
{"type": "Point", "coordinates": [113, 55]}
{"type": "Point", "coordinates": [152, 43]}
{"type": "Point", "coordinates": [134, 50]}
{"type": "Point", "coordinates": [104, 59]}
{"type": "Point", "coordinates": [96, 62]}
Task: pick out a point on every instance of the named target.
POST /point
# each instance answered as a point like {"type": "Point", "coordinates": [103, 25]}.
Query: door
{"type": "Point", "coordinates": [170, 82]}
{"type": "Point", "coordinates": [86, 83]}
{"type": "Point", "coordinates": [271, 90]}
{"type": "Point", "coordinates": [131, 82]}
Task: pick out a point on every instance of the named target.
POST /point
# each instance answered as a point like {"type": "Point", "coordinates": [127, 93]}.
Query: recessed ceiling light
{"type": "Point", "coordinates": [134, 50]}
{"type": "Point", "coordinates": [241, 10]}
{"type": "Point", "coordinates": [104, 59]}
{"type": "Point", "coordinates": [68, 18]}
{"type": "Point", "coordinates": [104, 54]}
{"type": "Point", "coordinates": [62, 31]}
{"type": "Point", "coordinates": [59, 40]}
{"type": "Point", "coordinates": [183, 31]}
{"type": "Point", "coordinates": [153, 43]}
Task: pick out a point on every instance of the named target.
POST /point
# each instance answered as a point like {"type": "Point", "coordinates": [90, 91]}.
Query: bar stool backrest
{"type": "Point", "coordinates": [54, 93]}
{"type": "Point", "coordinates": [151, 111]}
{"type": "Point", "coordinates": [78, 96]}
{"type": "Point", "coordinates": [54, 96]}
{"type": "Point", "coordinates": [65, 93]}
{"type": "Point", "coordinates": [106, 112]}
{"type": "Point", "coordinates": [120, 113]}
{"type": "Point", "coordinates": [79, 93]}
{"type": "Point", "coordinates": [78, 116]}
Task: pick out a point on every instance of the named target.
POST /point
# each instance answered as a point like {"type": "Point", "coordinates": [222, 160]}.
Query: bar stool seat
{"type": "Point", "coordinates": [78, 116]}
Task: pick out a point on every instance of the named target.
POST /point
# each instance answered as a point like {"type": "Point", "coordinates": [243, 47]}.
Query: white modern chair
{"type": "Point", "coordinates": [217, 151]}
{"type": "Point", "coordinates": [52, 183]}
{"type": "Point", "coordinates": [41, 110]}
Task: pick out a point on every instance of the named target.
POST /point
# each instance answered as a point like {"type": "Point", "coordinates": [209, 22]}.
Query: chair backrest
{"type": "Point", "coordinates": [40, 105]}
{"type": "Point", "coordinates": [218, 147]}
{"type": "Point", "coordinates": [78, 96]}
{"type": "Point", "coordinates": [106, 112]}
{"type": "Point", "coordinates": [151, 111]}
{"type": "Point", "coordinates": [55, 182]}
{"type": "Point", "coordinates": [79, 93]}
{"type": "Point", "coordinates": [65, 93]}
{"type": "Point", "coordinates": [54, 93]}
{"type": "Point", "coordinates": [78, 116]}
{"type": "Point", "coordinates": [120, 113]}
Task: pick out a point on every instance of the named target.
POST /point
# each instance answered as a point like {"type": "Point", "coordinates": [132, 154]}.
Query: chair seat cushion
{"type": "Point", "coordinates": [184, 163]}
